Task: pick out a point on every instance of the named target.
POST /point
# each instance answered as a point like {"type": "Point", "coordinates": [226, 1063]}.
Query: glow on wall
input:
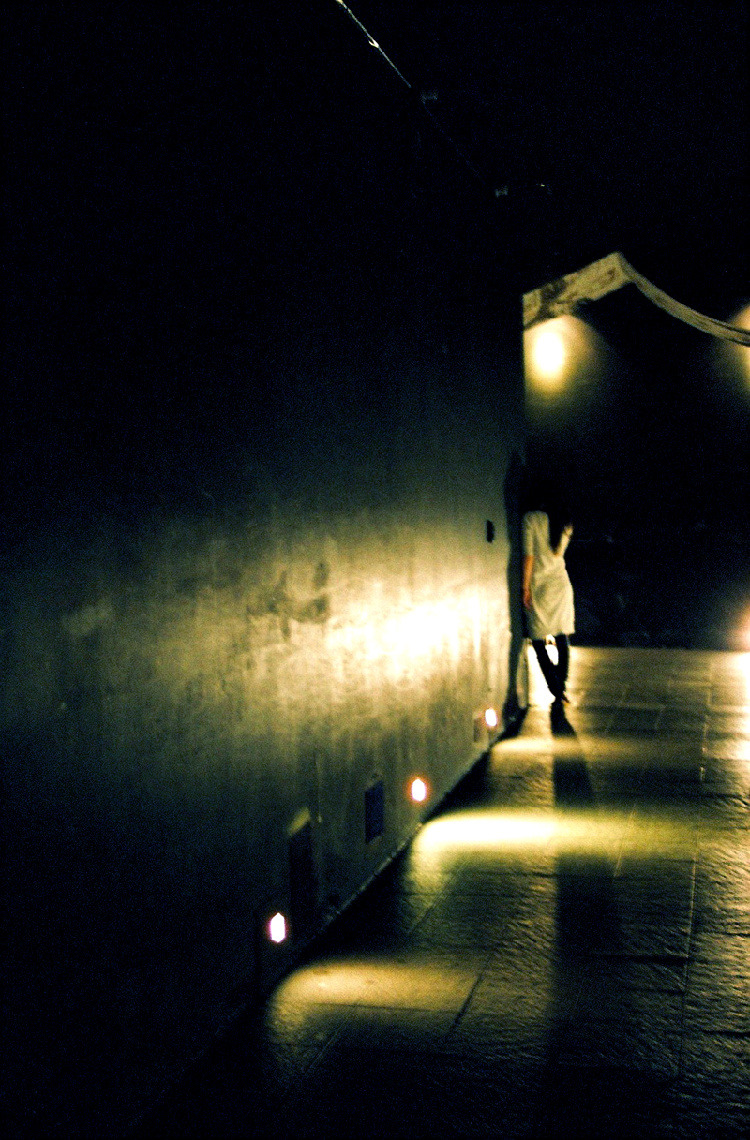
{"type": "Point", "coordinates": [558, 355]}
{"type": "Point", "coordinates": [731, 362]}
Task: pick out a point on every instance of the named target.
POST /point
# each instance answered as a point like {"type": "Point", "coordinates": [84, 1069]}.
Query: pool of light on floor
{"type": "Point", "coordinates": [411, 980]}
{"type": "Point", "coordinates": [598, 831]}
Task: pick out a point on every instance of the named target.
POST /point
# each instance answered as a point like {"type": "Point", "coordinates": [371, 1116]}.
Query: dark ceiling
{"type": "Point", "coordinates": [613, 126]}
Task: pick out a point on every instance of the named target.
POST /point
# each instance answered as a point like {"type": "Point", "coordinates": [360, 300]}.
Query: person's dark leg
{"type": "Point", "coordinates": [548, 669]}
{"type": "Point", "coordinates": [563, 659]}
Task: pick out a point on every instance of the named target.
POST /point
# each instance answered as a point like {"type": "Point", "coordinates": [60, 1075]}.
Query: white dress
{"type": "Point", "coordinates": [552, 610]}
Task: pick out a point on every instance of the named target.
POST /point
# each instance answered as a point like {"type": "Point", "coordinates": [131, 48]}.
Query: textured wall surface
{"type": "Point", "coordinates": [248, 576]}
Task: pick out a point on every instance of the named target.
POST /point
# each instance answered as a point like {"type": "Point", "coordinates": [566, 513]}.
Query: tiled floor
{"type": "Point", "coordinates": [563, 950]}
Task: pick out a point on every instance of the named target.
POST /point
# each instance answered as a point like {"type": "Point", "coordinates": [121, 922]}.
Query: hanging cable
{"type": "Point", "coordinates": [410, 87]}
{"type": "Point", "coordinates": [374, 43]}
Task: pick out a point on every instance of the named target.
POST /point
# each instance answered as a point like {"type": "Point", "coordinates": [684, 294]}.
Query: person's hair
{"type": "Point", "coordinates": [542, 495]}
{"type": "Point", "coordinates": [559, 518]}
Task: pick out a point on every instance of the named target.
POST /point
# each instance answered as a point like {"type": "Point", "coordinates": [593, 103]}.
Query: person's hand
{"type": "Point", "coordinates": [527, 598]}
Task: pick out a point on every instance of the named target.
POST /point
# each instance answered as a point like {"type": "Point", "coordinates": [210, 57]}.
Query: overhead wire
{"type": "Point", "coordinates": [374, 43]}
{"type": "Point", "coordinates": [422, 103]}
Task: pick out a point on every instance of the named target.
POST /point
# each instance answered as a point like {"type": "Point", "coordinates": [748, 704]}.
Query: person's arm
{"type": "Point", "coordinates": [528, 563]}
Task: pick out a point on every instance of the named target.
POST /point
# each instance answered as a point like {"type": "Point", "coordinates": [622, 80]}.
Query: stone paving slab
{"type": "Point", "coordinates": [564, 950]}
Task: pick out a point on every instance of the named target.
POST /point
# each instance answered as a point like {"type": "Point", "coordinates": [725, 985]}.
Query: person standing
{"type": "Point", "coordinates": [548, 593]}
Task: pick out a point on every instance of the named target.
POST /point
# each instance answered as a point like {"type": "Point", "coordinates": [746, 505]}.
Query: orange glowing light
{"type": "Point", "coordinates": [561, 356]}
{"type": "Point", "coordinates": [418, 790]}
{"type": "Point", "coordinates": [277, 928]}
{"type": "Point", "coordinates": [548, 353]}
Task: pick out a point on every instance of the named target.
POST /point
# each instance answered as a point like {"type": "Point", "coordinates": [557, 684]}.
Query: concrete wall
{"type": "Point", "coordinates": [247, 577]}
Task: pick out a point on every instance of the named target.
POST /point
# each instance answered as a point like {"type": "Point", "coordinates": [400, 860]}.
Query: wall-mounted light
{"type": "Point", "coordinates": [418, 790]}
{"type": "Point", "coordinates": [560, 355]}
{"type": "Point", "coordinates": [277, 928]}
{"type": "Point", "coordinates": [548, 354]}
{"type": "Point", "coordinates": [491, 718]}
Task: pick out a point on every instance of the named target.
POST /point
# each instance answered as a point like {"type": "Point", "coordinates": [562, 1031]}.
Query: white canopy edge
{"type": "Point", "coordinates": [562, 296]}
